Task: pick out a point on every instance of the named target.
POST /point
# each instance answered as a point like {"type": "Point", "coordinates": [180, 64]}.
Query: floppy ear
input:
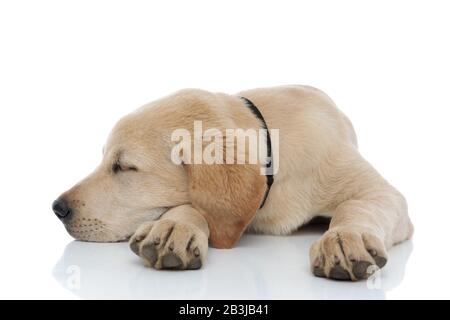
{"type": "Point", "coordinates": [228, 196]}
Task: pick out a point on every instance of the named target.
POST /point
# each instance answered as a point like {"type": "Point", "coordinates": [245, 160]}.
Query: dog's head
{"type": "Point", "coordinates": [138, 181]}
{"type": "Point", "coordinates": [135, 182]}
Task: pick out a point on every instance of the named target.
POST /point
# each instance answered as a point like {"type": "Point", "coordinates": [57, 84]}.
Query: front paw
{"type": "Point", "coordinates": [167, 244]}
{"type": "Point", "coordinates": [347, 253]}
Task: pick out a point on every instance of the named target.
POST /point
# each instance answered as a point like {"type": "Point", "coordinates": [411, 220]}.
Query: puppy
{"type": "Point", "coordinates": [155, 191]}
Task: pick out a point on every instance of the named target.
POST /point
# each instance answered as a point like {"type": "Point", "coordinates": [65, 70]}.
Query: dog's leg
{"type": "Point", "coordinates": [179, 240]}
{"type": "Point", "coordinates": [362, 228]}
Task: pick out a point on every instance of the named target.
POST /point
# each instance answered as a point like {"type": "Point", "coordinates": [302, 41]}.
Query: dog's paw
{"type": "Point", "coordinates": [166, 244]}
{"type": "Point", "coordinates": [347, 253]}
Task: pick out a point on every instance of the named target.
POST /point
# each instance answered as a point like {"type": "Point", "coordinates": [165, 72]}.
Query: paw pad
{"type": "Point", "coordinates": [149, 252]}
{"type": "Point", "coordinates": [171, 261]}
{"type": "Point", "coordinates": [339, 273]}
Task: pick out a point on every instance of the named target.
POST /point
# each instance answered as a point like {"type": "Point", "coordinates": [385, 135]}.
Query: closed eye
{"type": "Point", "coordinates": [118, 167]}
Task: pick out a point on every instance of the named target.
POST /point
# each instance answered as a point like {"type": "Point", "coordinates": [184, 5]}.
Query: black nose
{"type": "Point", "coordinates": [61, 209]}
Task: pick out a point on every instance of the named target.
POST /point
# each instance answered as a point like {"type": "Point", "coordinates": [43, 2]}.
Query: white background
{"type": "Point", "coordinates": [70, 69]}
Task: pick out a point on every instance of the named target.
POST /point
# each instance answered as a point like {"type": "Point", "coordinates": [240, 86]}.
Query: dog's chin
{"type": "Point", "coordinates": [101, 232]}
{"type": "Point", "coordinates": [97, 236]}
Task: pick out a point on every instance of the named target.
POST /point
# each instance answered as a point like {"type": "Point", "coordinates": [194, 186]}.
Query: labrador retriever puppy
{"type": "Point", "coordinates": [170, 210]}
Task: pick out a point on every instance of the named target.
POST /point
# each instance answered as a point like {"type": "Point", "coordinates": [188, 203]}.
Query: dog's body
{"type": "Point", "coordinates": [320, 173]}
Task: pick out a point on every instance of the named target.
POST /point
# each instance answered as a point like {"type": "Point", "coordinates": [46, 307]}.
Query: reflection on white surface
{"type": "Point", "coordinates": [260, 267]}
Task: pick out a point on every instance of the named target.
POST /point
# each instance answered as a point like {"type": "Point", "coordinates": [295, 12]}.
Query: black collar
{"type": "Point", "coordinates": [269, 170]}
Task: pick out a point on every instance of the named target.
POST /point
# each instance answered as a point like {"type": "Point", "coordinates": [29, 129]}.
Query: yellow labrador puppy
{"type": "Point", "coordinates": [151, 188]}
